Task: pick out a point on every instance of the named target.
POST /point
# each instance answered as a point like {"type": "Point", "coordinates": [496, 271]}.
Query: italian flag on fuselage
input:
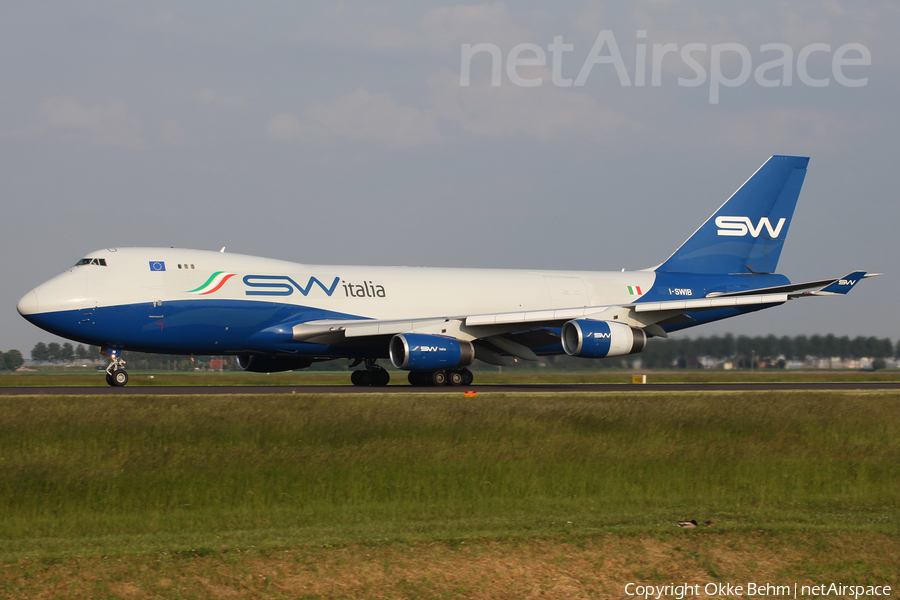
{"type": "Point", "coordinates": [635, 290]}
{"type": "Point", "coordinates": [213, 284]}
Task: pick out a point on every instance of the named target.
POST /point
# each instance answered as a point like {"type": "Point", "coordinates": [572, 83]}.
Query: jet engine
{"type": "Point", "coordinates": [422, 352]}
{"type": "Point", "coordinates": [598, 339]}
{"type": "Point", "coordinates": [271, 364]}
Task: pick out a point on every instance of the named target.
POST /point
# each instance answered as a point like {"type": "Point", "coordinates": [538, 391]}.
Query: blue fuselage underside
{"type": "Point", "coordinates": [220, 327]}
{"type": "Point", "coordinates": [195, 327]}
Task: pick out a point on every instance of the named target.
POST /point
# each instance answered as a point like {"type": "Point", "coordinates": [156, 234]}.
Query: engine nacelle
{"type": "Point", "coordinates": [271, 364]}
{"type": "Point", "coordinates": [598, 339]}
{"type": "Point", "coordinates": [422, 352]}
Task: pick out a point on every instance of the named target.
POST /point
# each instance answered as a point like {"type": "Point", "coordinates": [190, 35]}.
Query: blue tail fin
{"type": "Point", "coordinates": [747, 233]}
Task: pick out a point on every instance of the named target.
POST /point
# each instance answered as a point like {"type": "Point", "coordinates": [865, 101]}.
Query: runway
{"type": "Point", "coordinates": [135, 390]}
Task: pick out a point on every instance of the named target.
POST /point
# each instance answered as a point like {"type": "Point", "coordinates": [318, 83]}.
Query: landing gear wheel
{"type": "Point", "coordinates": [361, 377]}
{"type": "Point", "coordinates": [115, 372]}
{"type": "Point", "coordinates": [438, 378]}
{"type": "Point", "coordinates": [117, 378]}
{"type": "Point", "coordinates": [455, 377]}
{"type": "Point", "coordinates": [374, 374]}
{"type": "Point", "coordinates": [380, 377]}
{"type": "Point", "coordinates": [417, 378]}
{"type": "Point", "coordinates": [468, 377]}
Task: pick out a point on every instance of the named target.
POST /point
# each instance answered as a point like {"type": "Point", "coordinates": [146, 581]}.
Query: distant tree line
{"type": "Point", "coordinates": [66, 353]}
{"type": "Point", "coordinates": [680, 352]}
{"type": "Point", "coordinates": [11, 360]}
{"type": "Point", "coordinates": [773, 351]}
{"type": "Point", "coordinates": [63, 353]}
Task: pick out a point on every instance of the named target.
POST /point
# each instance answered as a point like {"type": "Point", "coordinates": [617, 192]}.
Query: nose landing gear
{"type": "Point", "coordinates": [116, 375]}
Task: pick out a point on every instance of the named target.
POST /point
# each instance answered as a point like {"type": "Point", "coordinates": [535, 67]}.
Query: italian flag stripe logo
{"type": "Point", "coordinates": [635, 290]}
{"type": "Point", "coordinates": [213, 284]}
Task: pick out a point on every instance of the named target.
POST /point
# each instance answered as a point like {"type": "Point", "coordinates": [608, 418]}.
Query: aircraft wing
{"type": "Point", "coordinates": [514, 333]}
{"type": "Point", "coordinates": [474, 327]}
{"type": "Point", "coordinates": [642, 315]}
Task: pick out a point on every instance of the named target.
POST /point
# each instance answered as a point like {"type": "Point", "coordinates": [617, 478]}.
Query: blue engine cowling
{"type": "Point", "coordinates": [422, 352]}
{"type": "Point", "coordinates": [598, 339]}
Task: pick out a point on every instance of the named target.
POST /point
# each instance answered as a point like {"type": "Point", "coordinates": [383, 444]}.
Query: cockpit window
{"type": "Point", "coordinates": [91, 261]}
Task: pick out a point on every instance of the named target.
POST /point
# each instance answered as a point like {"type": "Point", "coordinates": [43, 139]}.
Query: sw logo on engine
{"type": "Point", "coordinates": [741, 226]}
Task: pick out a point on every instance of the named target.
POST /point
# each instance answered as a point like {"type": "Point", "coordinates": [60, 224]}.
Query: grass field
{"type": "Point", "coordinates": [61, 376]}
{"type": "Point", "coordinates": [432, 495]}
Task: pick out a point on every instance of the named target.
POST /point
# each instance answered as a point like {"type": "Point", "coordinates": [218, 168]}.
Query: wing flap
{"type": "Point", "coordinates": [360, 328]}
{"type": "Point", "coordinates": [530, 317]}
{"type": "Point", "coordinates": [708, 303]}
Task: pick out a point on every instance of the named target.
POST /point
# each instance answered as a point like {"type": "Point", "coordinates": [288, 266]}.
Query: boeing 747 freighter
{"type": "Point", "coordinates": [274, 315]}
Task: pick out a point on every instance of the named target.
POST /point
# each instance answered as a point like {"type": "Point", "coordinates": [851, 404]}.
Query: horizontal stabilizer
{"type": "Point", "coordinates": [842, 285]}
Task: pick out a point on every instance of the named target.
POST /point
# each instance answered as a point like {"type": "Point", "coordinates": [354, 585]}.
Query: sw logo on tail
{"type": "Point", "coordinates": [740, 226]}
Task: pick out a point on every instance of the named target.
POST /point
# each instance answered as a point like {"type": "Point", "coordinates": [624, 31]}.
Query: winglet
{"type": "Point", "coordinates": [842, 285]}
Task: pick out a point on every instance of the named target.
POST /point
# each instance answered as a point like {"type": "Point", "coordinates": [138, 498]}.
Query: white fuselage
{"type": "Point", "coordinates": [193, 301]}
{"type": "Point", "coordinates": [360, 291]}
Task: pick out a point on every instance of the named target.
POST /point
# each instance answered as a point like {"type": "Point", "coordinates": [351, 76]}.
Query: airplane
{"type": "Point", "coordinates": [274, 315]}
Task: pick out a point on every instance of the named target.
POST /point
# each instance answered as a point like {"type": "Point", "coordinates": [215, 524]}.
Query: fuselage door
{"type": "Point", "coordinates": [157, 306]}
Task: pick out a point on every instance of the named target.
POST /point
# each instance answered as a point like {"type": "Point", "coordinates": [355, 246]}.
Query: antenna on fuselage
{"type": "Point", "coordinates": [223, 249]}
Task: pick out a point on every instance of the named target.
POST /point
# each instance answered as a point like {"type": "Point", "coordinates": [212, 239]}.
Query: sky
{"type": "Point", "coordinates": [358, 133]}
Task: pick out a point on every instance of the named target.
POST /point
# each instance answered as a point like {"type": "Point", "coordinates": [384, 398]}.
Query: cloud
{"type": "Point", "coordinates": [789, 129]}
{"type": "Point", "coordinates": [284, 127]}
{"type": "Point", "coordinates": [873, 24]}
{"type": "Point", "coordinates": [668, 21]}
{"type": "Point", "coordinates": [545, 113]}
{"type": "Point", "coordinates": [106, 125]}
{"type": "Point", "coordinates": [362, 115]}
{"type": "Point", "coordinates": [591, 20]}
{"type": "Point", "coordinates": [211, 97]}
{"type": "Point", "coordinates": [440, 28]}
{"type": "Point", "coordinates": [359, 115]}
{"type": "Point", "coordinates": [449, 26]}
{"type": "Point", "coordinates": [795, 23]}
{"type": "Point", "coordinates": [172, 133]}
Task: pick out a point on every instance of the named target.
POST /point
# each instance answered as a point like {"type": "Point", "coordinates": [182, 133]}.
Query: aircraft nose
{"type": "Point", "coordinates": [28, 305]}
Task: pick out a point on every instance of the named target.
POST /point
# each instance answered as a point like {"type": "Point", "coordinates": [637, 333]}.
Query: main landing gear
{"type": "Point", "coordinates": [372, 375]}
{"type": "Point", "coordinates": [116, 375]}
{"type": "Point", "coordinates": [375, 375]}
{"type": "Point", "coordinates": [438, 378]}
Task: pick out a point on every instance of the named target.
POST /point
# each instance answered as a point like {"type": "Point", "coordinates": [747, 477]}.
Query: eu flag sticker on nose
{"type": "Point", "coordinates": [157, 265]}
